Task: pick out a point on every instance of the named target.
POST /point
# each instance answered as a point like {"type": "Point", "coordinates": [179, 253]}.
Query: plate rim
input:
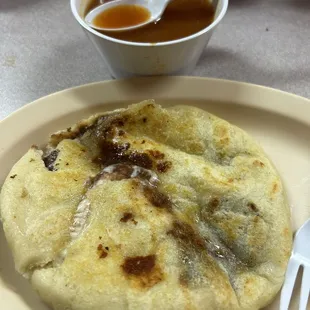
{"type": "Point", "coordinates": [261, 88]}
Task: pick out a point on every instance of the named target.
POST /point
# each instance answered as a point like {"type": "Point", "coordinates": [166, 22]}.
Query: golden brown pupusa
{"type": "Point", "coordinates": [149, 208]}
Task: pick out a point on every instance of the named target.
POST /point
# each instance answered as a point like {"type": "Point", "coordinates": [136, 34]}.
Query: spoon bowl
{"type": "Point", "coordinates": [154, 8]}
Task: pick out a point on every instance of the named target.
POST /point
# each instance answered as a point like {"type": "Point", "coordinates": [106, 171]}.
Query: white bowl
{"type": "Point", "coordinates": [126, 59]}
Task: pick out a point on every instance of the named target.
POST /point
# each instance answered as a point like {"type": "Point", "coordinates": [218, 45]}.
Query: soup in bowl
{"type": "Point", "coordinates": [171, 46]}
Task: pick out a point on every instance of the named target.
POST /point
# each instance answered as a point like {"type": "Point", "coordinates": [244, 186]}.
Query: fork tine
{"type": "Point", "coordinates": [287, 289]}
{"type": "Point", "coordinates": [305, 287]}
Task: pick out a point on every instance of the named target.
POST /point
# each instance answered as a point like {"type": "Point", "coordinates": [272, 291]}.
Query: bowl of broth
{"type": "Point", "coordinates": [170, 46]}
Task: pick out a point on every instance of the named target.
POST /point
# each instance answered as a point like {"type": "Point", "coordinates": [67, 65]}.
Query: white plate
{"type": "Point", "coordinates": [278, 120]}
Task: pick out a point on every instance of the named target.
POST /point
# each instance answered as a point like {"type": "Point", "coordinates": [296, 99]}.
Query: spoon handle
{"type": "Point", "coordinates": [158, 6]}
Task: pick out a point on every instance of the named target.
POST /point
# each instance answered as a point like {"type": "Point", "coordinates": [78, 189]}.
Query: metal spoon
{"type": "Point", "coordinates": [155, 8]}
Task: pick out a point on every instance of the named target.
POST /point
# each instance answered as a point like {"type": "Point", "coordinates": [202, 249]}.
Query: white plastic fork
{"type": "Point", "coordinates": [300, 257]}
